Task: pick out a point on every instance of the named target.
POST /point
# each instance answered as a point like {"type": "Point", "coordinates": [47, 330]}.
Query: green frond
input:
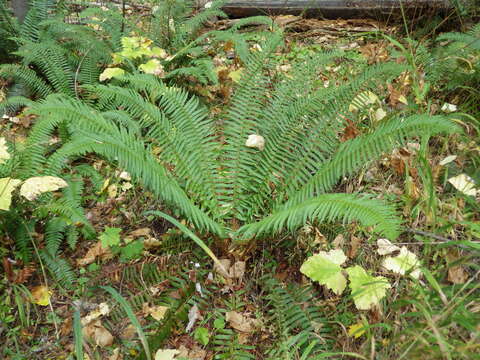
{"type": "Point", "coordinates": [355, 153]}
{"type": "Point", "coordinates": [26, 76]}
{"type": "Point", "coordinates": [343, 208]}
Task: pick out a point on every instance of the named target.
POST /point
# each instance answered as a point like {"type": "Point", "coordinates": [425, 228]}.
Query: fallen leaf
{"type": "Point", "coordinates": [4, 154]}
{"type": "Point", "coordinates": [380, 114]}
{"type": "Point", "coordinates": [255, 141]}
{"type": "Point", "coordinates": [129, 333]}
{"type": "Point", "coordinates": [240, 322]}
{"type": "Point", "coordinates": [449, 107]}
{"type": "Point", "coordinates": [225, 271]}
{"type": "Point", "coordinates": [102, 310]}
{"type": "Point", "coordinates": [456, 273]}
{"type": "Point", "coordinates": [403, 263]}
{"type": "Point", "coordinates": [97, 250]}
{"type": "Point", "coordinates": [37, 185]}
{"type": "Point", "coordinates": [193, 316]}
{"type": "Point", "coordinates": [447, 160]}
{"type": "Point", "coordinates": [166, 354]}
{"type": "Point", "coordinates": [116, 355]}
{"type": "Point", "coordinates": [41, 295]}
{"type": "Point", "coordinates": [141, 232]}
{"type": "Point", "coordinates": [354, 245]}
{"type": "Point", "coordinates": [464, 183]}
{"type": "Point", "coordinates": [97, 333]}
{"type": "Point", "coordinates": [156, 311]}
{"type": "Point", "coordinates": [356, 330]}
{"type": "Point", "coordinates": [7, 185]}
{"type": "Point", "coordinates": [111, 73]}
{"type": "Point", "coordinates": [350, 132]}
{"type": "Point", "coordinates": [385, 247]}
{"type": "Point", "coordinates": [237, 270]}
{"type": "Point", "coordinates": [154, 67]}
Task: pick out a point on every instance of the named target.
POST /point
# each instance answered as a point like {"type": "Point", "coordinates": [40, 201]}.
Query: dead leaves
{"type": "Point", "coordinates": [97, 251]}
{"type": "Point", "coordinates": [93, 329]}
{"type": "Point", "coordinates": [241, 322]}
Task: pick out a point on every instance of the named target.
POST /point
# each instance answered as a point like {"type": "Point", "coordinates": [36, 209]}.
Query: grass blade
{"type": "Point", "coordinates": [77, 332]}
{"type": "Point", "coordinates": [133, 319]}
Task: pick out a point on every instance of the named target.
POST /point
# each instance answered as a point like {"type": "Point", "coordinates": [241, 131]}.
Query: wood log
{"type": "Point", "coordinates": [342, 8]}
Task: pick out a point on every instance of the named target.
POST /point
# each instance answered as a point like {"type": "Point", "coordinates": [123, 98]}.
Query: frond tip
{"type": "Point", "coordinates": [327, 208]}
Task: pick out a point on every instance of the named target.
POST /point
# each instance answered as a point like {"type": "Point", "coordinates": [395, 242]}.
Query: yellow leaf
{"type": "Point", "coordinates": [356, 330]}
{"type": "Point", "coordinates": [7, 185]}
{"type": "Point", "coordinates": [235, 75]}
{"type": "Point", "coordinates": [109, 73]}
{"type": "Point", "coordinates": [37, 185]}
{"type": "Point", "coordinates": [464, 183]}
{"type": "Point", "coordinates": [166, 354]}
{"type": "Point", "coordinates": [4, 155]}
{"type": "Point", "coordinates": [112, 191]}
{"type": "Point", "coordinates": [41, 295]}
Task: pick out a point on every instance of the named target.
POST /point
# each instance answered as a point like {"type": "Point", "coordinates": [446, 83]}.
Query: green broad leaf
{"type": "Point", "coordinates": [367, 290]}
{"type": "Point", "coordinates": [7, 185]}
{"type": "Point", "coordinates": [236, 75]}
{"type": "Point", "coordinates": [131, 251]}
{"type": "Point", "coordinates": [405, 262]}
{"type": "Point", "coordinates": [110, 73]}
{"type": "Point", "coordinates": [325, 268]}
{"type": "Point", "coordinates": [152, 67]}
{"type": "Point", "coordinates": [110, 237]}
{"type": "Point", "coordinates": [202, 335]}
{"type": "Point", "coordinates": [219, 323]}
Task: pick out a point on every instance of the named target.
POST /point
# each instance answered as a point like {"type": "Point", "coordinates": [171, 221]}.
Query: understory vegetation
{"type": "Point", "coordinates": [178, 185]}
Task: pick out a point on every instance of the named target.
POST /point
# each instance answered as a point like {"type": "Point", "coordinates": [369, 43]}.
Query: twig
{"type": "Point", "coordinates": [440, 238]}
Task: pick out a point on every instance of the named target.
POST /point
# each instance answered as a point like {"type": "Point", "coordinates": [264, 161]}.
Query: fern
{"type": "Point", "coordinates": [204, 168]}
{"type": "Point", "coordinates": [299, 324]}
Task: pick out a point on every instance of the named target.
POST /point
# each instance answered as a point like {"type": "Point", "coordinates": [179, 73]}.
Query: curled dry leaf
{"type": "Point", "coordinates": [385, 247]}
{"type": "Point", "coordinates": [156, 311]}
{"type": "Point", "coordinates": [240, 322]}
{"type": "Point", "coordinates": [255, 141]}
{"type": "Point", "coordinates": [41, 295]}
{"type": "Point", "coordinates": [97, 333]}
{"type": "Point", "coordinates": [225, 271]}
{"type": "Point", "coordinates": [97, 251]}
{"type": "Point", "coordinates": [37, 185]}
{"type": "Point", "coordinates": [193, 316]}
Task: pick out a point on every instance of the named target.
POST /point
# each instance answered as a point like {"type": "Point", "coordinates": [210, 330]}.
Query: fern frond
{"type": "Point", "coordinates": [353, 154]}
{"type": "Point", "coordinates": [26, 76]}
{"type": "Point", "coordinates": [344, 208]}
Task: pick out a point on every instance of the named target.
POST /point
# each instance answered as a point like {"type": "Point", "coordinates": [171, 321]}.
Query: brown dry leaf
{"type": "Point", "coordinates": [240, 322]}
{"type": "Point", "coordinates": [24, 274]}
{"type": "Point", "coordinates": [141, 232]}
{"type": "Point", "coordinates": [129, 333]}
{"type": "Point", "coordinates": [456, 274]}
{"type": "Point", "coordinates": [96, 251]}
{"type": "Point", "coordinates": [196, 353]}
{"type": "Point", "coordinates": [338, 242]}
{"type": "Point", "coordinates": [350, 132]}
{"type": "Point", "coordinates": [66, 327]}
{"type": "Point", "coordinates": [354, 245]}
{"type": "Point", "coordinates": [238, 270]}
{"type": "Point", "coordinates": [395, 98]}
{"type": "Point", "coordinates": [225, 272]}
{"type": "Point", "coordinates": [116, 355]}
{"type": "Point", "coordinates": [97, 333]}
{"type": "Point", "coordinates": [156, 311]}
